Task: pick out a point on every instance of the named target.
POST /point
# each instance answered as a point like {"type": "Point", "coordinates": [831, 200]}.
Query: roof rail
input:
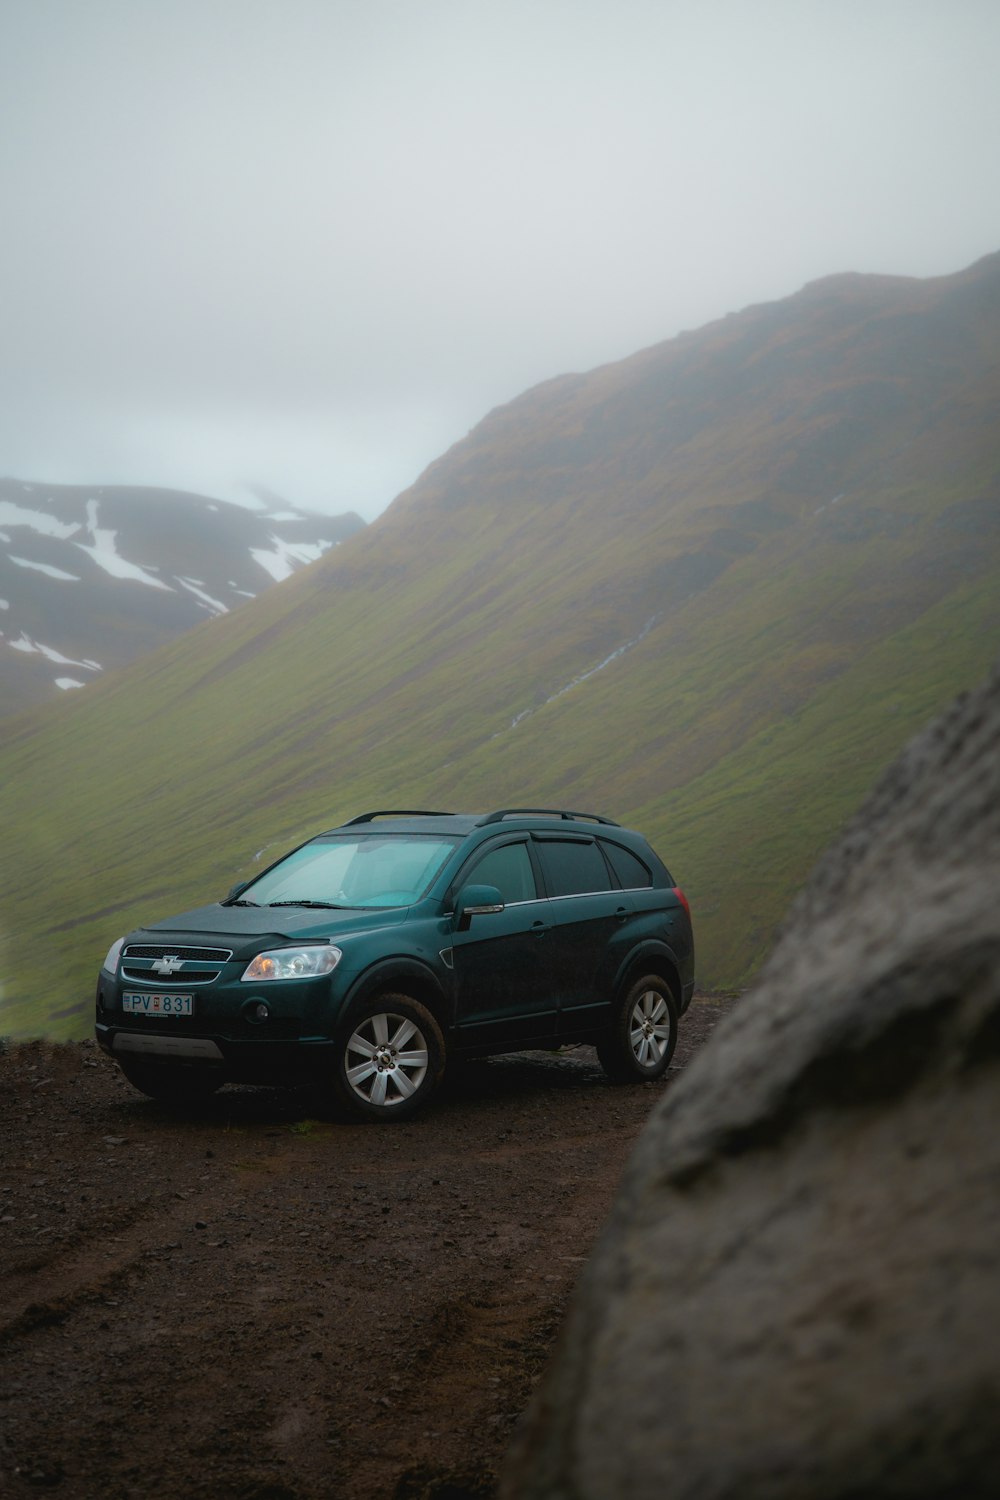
{"type": "Point", "coordinates": [394, 812]}
{"type": "Point", "coordinates": [544, 812]}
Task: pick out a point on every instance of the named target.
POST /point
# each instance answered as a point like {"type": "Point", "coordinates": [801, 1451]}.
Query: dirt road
{"type": "Point", "coordinates": [246, 1301]}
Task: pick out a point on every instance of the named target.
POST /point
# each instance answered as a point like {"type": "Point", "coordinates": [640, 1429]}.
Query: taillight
{"type": "Point", "coordinates": [683, 900]}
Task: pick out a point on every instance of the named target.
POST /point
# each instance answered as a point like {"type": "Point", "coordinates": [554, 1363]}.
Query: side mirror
{"type": "Point", "coordinates": [476, 901]}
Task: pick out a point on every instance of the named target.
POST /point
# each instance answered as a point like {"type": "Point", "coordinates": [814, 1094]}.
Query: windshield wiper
{"type": "Point", "coordinates": [327, 905]}
{"type": "Point", "coordinates": [239, 902]}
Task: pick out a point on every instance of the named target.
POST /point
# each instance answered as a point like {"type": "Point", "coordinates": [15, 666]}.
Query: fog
{"type": "Point", "coordinates": [309, 243]}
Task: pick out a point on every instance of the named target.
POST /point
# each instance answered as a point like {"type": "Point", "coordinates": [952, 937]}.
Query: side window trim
{"type": "Point", "coordinates": [611, 890]}
{"type": "Point", "coordinates": [468, 869]}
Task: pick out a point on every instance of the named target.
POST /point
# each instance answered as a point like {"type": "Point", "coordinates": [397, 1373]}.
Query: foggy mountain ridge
{"type": "Point", "coordinates": [708, 590]}
{"type": "Point", "coordinates": [93, 576]}
{"type": "Point", "coordinates": [785, 397]}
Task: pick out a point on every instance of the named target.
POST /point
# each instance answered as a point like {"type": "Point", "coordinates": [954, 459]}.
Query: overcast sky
{"type": "Point", "coordinates": [309, 243]}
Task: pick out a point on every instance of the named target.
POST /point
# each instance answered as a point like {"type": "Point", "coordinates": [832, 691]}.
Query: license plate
{"type": "Point", "coordinates": [158, 1005]}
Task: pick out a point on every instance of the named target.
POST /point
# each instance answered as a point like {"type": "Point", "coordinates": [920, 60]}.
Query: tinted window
{"type": "Point", "coordinates": [631, 872]}
{"type": "Point", "coordinates": [509, 869]}
{"type": "Point", "coordinates": [573, 867]}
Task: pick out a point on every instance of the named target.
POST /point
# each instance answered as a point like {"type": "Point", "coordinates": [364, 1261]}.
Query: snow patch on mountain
{"type": "Point", "coordinates": [46, 568]}
{"type": "Point", "coordinates": [106, 555]}
{"type": "Point", "coordinates": [214, 606]}
{"type": "Point", "coordinates": [24, 642]}
{"type": "Point", "coordinates": [37, 520]}
{"type": "Point", "coordinates": [280, 562]}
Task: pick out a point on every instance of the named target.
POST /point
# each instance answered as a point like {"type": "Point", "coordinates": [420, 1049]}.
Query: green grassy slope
{"type": "Point", "coordinates": [709, 591]}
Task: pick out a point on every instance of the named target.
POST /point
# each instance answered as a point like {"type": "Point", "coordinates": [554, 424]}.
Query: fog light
{"type": "Point", "coordinates": [257, 1011]}
{"type": "Point", "coordinates": [260, 1011]}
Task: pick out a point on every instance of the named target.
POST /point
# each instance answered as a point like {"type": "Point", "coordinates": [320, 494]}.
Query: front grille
{"type": "Point", "coordinates": [183, 977]}
{"type": "Point", "coordinates": [202, 955]}
{"type": "Point", "coordinates": [200, 965]}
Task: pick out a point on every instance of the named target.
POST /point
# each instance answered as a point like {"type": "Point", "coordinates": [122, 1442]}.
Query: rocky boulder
{"type": "Point", "coordinates": [798, 1290]}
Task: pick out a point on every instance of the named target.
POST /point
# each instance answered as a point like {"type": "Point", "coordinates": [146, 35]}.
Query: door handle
{"type": "Point", "coordinates": [622, 913]}
{"type": "Point", "coordinates": [538, 928]}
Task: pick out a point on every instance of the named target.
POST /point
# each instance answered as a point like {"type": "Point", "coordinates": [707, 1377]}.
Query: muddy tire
{"type": "Point", "coordinates": [643, 1034]}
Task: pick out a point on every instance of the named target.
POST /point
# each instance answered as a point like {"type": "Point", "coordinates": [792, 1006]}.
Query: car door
{"type": "Point", "coordinates": [502, 963]}
{"type": "Point", "coordinates": [589, 917]}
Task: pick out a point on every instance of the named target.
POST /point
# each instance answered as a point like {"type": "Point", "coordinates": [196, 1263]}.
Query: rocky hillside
{"type": "Point", "coordinates": [93, 576]}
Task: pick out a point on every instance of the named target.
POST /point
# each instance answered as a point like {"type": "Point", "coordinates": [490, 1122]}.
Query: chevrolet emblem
{"type": "Point", "coordinates": [168, 964]}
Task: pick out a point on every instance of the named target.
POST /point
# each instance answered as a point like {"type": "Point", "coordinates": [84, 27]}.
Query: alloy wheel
{"type": "Point", "coordinates": [386, 1059]}
{"type": "Point", "coordinates": [649, 1028]}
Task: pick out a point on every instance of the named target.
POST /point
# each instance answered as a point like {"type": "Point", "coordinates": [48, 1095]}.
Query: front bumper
{"type": "Point", "coordinates": [260, 1060]}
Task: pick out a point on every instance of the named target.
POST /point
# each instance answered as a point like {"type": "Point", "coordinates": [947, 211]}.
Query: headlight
{"type": "Point", "coordinates": [114, 952]}
{"type": "Point", "coordinates": [293, 963]}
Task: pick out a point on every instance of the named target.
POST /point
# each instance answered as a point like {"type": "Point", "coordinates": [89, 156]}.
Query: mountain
{"type": "Point", "coordinates": [708, 590]}
{"type": "Point", "coordinates": [93, 576]}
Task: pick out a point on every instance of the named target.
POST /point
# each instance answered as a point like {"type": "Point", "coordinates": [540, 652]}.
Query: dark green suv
{"type": "Point", "coordinates": [369, 955]}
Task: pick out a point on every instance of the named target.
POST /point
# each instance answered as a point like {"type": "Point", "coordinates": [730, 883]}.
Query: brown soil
{"type": "Point", "coordinates": [244, 1301]}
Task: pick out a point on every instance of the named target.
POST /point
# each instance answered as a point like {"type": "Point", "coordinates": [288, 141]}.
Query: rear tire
{"type": "Point", "coordinates": [643, 1034]}
{"type": "Point", "coordinates": [390, 1059]}
{"type": "Point", "coordinates": [170, 1084]}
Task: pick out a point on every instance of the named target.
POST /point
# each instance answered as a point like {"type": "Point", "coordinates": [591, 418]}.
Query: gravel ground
{"type": "Point", "coordinates": [244, 1300]}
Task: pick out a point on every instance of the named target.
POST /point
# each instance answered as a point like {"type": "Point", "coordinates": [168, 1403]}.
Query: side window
{"type": "Point", "coordinates": [509, 869]}
{"type": "Point", "coordinates": [573, 866]}
{"type": "Point", "coordinates": [630, 870]}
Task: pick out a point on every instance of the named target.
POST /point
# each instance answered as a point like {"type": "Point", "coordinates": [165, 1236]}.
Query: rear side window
{"type": "Point", "coordinates": [509, 869]}
{"type": "Point", "coordinates": [630, 870]}
{"type": "Point", "coordinates": [573, 867]}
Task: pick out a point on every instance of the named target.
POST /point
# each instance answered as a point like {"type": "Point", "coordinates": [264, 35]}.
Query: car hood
{"type": "Point", "coordinates": [232, 926]}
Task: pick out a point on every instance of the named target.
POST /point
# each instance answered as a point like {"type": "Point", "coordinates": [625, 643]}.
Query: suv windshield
{"type": "Point", "coordinates": [361, 870]}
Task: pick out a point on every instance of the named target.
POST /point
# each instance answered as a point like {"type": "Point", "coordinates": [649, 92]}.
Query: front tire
{"type": "Point", "coordinates": [390, 1059]}
{"type": "Point", "coordinates": [643, 1034]}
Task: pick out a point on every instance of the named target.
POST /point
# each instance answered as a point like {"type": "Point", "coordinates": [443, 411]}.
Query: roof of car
{"type": "Point", "coordinates": [410, 820]}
